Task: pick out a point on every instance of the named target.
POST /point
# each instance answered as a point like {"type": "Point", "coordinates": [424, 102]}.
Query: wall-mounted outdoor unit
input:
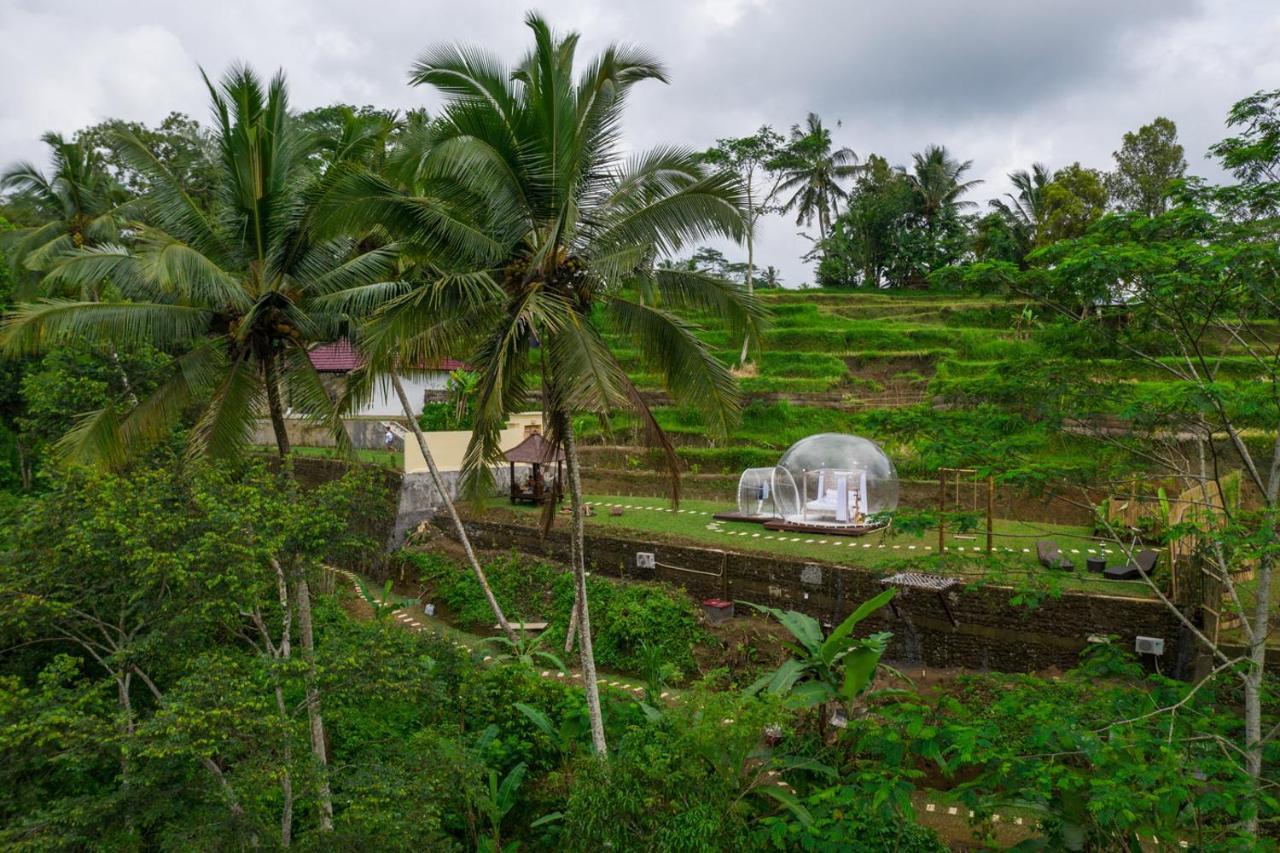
{"type": "Point", "coordinates": [1148, 645]}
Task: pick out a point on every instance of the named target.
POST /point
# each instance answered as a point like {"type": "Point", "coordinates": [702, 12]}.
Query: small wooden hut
{"type": "Point", "coordinates": [534, 452]}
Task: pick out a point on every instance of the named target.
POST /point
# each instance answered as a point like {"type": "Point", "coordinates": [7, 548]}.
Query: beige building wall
{"type": "Point", "coordinates": [449, 446]}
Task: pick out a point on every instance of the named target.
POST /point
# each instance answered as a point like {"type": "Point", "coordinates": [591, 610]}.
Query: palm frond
{"type": "Point", "coordinates": [34, 327]}
{"type": "Point", "coordinates": [309, 397]}
{"type": "Point", "coordinates": [170, 206]}
{"type": "Point", "coordinates": [357, 270]}
{"type": "Point", "coordinates": [744, 313]}
{"type": "Point", "coordinates": [690, 372]}
{"type": "Point", "coordinates": [178, 269]}
{"type": "Point", "coordinates": [226, 423]}
{"type": "Point", "coordinates": [94, 440]}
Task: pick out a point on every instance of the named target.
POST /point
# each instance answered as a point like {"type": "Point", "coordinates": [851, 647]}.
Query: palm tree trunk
{"type": "Point", "coordinates": [273, 403]}
{"type": "Point", "coordinates": [751, 267]}
{"type": "Point", "coordinates": [438, 481]}
{"type": "Point", "coordinates": [580, 586]}
{"type": "Point", "coordinates": [572, 633]}
{"type": "Point", "coordinates": [318, 746]}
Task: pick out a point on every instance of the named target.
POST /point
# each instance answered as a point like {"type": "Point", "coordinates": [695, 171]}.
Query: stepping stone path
{"type": "Point", "coordinates": [408, 620]}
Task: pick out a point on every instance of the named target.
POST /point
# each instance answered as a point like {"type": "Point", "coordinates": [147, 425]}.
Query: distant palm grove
{"type": "Point", "coordinates": [195, 653]}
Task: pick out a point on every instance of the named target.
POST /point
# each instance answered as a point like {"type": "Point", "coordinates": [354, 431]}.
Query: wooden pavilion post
{"type": "Point", "coordinates": [991, 512]}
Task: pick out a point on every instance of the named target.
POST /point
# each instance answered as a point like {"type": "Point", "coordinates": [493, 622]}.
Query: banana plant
{"type": "Point", "coordinates": [496, 802]}
{"type": "Point", "coordinates": [383, 605]}
{"type": "Point", "coordinates": [526, 650]}
{"type": "Point", "coordinates": [837, 667]}
{"type": "Point", "coordinates": [573, 734]}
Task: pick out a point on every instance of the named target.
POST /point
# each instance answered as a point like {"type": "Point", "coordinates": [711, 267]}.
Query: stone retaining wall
{"type": "Point", "coordinates": [990, 632]}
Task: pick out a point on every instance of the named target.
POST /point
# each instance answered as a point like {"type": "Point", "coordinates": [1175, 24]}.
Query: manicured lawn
{"type": "Point", "coordinates": [1014, 562]}
{"type": "Point", "coordinates": [372, 457]}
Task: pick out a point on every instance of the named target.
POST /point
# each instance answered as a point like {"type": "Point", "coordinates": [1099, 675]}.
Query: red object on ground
{"type": "Point", "coordinates": [717, 610]}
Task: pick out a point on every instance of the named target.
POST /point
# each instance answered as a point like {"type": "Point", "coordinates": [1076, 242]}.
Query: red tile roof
{"type": "Point", "coordinates": [342, 357]}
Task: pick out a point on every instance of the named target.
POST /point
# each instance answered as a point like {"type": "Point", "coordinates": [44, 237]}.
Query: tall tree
{"type": "Point", "coordinates": [239, 292]}
{"type": "Point", "coordinates": [1024, 210]}
{"type": "Point", "coordinates": [754, 159]}
{"type": "Point", "coordinates": [1072, 201]}
{"type": "Point", "coordinates": [540, 227]}
{"type": "Point", "coordinates": [77, 204]}
{"type": "Point", "coordinates": [861, 248]}
{"type": "Point", "coordinates": [813, 171]}
{"type": "Point", "coordinates": [184, 146]}
{"type": "Point", "coordinates": [1253, 155]}
{"type": "Point", "coordinates": [937, 180]}
{"type": "Point", "coordinates": [1148, 161]}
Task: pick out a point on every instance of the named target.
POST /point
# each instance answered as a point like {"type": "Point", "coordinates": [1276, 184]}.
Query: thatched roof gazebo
{"type": "Point", "coordinates": [535, 451]}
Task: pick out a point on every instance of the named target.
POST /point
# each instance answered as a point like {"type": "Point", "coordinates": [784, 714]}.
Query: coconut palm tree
{"type": "Point", "coordinates": [812, 173]}
{"type": "Point", "coordinates": [1024, 212]}
{"type": "Point", "coordinates": [542, 236]}
{"type": "Point", "coordinates": [78, 203]}
{"type": "Point", "coordinates": [237, 291]}
{"type": "Point", "coordinates": [936, 183]}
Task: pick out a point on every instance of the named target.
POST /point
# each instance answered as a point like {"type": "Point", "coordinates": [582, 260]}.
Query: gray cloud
{"type": "Point", "coordinates": [1004, 82]}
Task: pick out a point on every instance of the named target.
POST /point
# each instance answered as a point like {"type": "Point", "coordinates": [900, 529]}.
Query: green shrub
{"type": "Point", "coordinates": [521, 585]}
{"type": "Point", "coordinates": [627, 615]}
{"type": "Point", "coordinates": [679, 783]}
{"type": "Point", "coordinates": [624, 615]}
{"type": "Point", "coordinates": [439, 417]}
{"type": "Point", "coordinates": [842, 821]}
{"type": "Point", "coordinates": [490, 693]}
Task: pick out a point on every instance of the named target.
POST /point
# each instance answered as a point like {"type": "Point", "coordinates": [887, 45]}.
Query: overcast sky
{"type": "Point", "coordinates": [1002, 82]}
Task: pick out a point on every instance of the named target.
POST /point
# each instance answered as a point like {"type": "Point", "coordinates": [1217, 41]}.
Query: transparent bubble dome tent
{"type": "Point", "coordinates": [758, 491]}
{"type": "Point", "coordinates": [833, 480]}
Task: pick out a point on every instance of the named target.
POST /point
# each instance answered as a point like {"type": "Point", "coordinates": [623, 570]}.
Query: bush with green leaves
{"type": "Point", "coordinates": [1099, 756]}
{"type": "Point", "coordinates": [631, 622]}
{"type": "Point", "coordinates": [840, 819]}
{"type": "Point", "coordinates": [521, 584]}
{"type": "Point", "coordinates": [441, 416]}
{"type": "Point", "coordinates": [634, 624]}
{"type": "Point", "coordinates": [697, 778]}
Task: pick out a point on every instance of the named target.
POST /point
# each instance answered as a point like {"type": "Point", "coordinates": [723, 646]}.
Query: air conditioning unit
{"type": "Point", "coordinates": [1148, 645]}
{"type": "Point", "coordinates": [645, 560]}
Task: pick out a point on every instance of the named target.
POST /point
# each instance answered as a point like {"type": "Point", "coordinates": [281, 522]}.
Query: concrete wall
{"type": "Point", "coordinates": [365, 433]}
{"type": "Point", "coordinates": [449, 447]}
{"type": "Point", "coordinates": [420, 500]}
{"type": "Point", "coordinates": [990, 632]}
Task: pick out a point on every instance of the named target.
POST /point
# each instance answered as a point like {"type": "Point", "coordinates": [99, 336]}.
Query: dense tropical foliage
{"type": "Point", "coordinates": [205, 644]}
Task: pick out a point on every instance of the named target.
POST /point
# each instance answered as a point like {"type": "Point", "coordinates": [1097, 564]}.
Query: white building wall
{"type": "Point", "coordinates": [386, 404]}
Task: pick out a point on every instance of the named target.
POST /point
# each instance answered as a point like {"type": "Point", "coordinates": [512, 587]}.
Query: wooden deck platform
{"type": "Point", "coordinates": [823, 529]}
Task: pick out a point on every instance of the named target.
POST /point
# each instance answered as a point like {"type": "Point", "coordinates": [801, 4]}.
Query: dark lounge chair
{"type": "Point", "coordinates": [1144, 563]}
{"type": "Point", "coordinates": [1051, 557]}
